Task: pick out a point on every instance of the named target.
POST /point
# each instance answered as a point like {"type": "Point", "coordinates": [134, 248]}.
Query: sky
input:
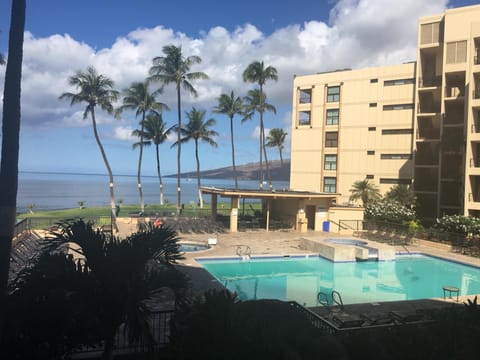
{"type": "Point", "coordinates": [121, 37]}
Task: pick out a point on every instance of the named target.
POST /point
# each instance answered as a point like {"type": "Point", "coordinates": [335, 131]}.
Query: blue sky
{"type": "Point", "coordinates": [121, 37]}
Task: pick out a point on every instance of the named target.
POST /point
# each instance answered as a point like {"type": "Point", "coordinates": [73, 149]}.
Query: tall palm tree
{"type": "Point", "coordinates": [230, 106]}
{"type": "Point", "coordinates": [198, 129]}
{"type": "Point", "coordinates": [154, 131]}
{"type": "Point", "coordinates": [255, 101]}
{"type": "Point", "coordinates": [365, 191]}
{"type": "Point", "coordinates": [276, 138]}
{"type": "Point", "coordinates": [174, 68]}
{"type": "Point", "coordinates": [256, 72]}
{"type": "Point", "coordinates": [95, 89]}
{"type": "Point", "coordinates": [10, 146]}
{"type": "Point", "coordinates": [403, 194]}
{"type": "Point", "coordinates": [138, 98]}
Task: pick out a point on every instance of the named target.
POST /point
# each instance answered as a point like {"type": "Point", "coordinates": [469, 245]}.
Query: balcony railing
{"type": "Point", "coordinates": [474, 162]}
{"type": "Point", "coordinates": [428, 134]}
{"type": "Point", "coordinates": [476, 60]}
{"type": "Point", "coordinates": [476, 93]}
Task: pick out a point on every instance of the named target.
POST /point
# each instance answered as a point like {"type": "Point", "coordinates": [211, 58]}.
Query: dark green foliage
{"type": "Point", "coordinates": [61, 303]}
{"type": "Point", "coordinates": [221, 327]}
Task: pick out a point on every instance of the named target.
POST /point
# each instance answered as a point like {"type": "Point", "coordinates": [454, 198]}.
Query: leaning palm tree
{"type": "Point", "coordinates": [174, 68]}
{"type": "Point", "coordinates": [365, 191]}
{"type": "Point", "coordinates": [276, 138]}
{"type": "Point", "coordinates": [138, 98]}
{"type": "Point", "coordinates": [95, 89]}
{"type": "Point", "coordinates": [230, 106]}
{"type": "Point", "coordinates": [255, 101]}
{"type": "Point", "coordinates": [154, 131]}
{"type": "Point", "coordinates": [257, 73]}
{"type": "Point", "coordinates": [199, 130]}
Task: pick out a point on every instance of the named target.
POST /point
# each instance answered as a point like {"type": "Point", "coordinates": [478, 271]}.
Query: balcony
{"type": "Point", "coordinates": [428, 134]}
{"type": "Point", "coordinates": [430, 82]}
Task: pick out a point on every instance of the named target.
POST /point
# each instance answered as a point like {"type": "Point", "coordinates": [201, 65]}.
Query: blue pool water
{"type": "Point", "coordinates": [300, 279]}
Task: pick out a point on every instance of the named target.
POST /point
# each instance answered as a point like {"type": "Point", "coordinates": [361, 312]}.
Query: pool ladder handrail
{"type": "Point", "coordinates": [247, 252]}
{"type": "Point", "coordinates": [337, 299]}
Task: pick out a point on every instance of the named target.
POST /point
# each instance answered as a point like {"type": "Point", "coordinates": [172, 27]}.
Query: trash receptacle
{"type": "Point", "coordinates": [326, 226]}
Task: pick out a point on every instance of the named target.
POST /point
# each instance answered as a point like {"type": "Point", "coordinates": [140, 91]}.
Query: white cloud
{"type": "Point", "coordinates": [359, 33]}
{"type": "Point", "coordinates": [124, 133]}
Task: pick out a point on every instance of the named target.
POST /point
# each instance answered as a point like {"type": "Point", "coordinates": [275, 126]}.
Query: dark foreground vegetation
{"type": "Point", "coordinates": [88, 290]}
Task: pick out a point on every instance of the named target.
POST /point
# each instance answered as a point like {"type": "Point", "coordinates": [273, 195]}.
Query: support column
{"type": "Point", "coordinates": [234, 215]}
{"type": "Point", "coordinates": [214, 207]}
{"type": "Point", "coordinates": [267, 226]}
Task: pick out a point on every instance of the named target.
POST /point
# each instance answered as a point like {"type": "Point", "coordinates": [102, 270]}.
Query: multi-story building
{"type": "Point", "coordinates": [415, 123]}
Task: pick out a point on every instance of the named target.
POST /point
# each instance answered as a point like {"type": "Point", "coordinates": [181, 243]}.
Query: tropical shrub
{"type": "Point", "coordinates": [389, 211]}
{"type": "Point", "coordinates": [459, 224]}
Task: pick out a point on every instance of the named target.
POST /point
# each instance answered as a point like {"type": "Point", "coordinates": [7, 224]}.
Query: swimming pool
{"type": "Point", "coordinates": [410, 277]}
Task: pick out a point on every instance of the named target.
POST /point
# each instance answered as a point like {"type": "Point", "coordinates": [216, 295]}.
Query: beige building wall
{"type": "Point", "coordinates": [374, 129]}
{"type": "Point", "coordinates": [447, 166]}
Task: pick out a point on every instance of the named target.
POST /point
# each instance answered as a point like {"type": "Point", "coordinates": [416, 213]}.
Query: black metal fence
{"type": "Point", "coordinates": [161, 331]}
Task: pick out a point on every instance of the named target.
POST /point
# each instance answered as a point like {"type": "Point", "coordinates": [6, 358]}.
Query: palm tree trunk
{"type": "Point", "coordinates": [139, 172]}
{"type": "Point", "coordinates": [10, 146]}
{"type": "Point", "coordinates": [266, 160]}
{"type": "Point", "coordinates": [113, 207]}
{"type": "Point", "coordinates": [281, 158]}
{"type": "Point", "coordinates": [159, 174]}
{"type": "Point", "coordinates": [261, 138]}
{"type": "Point", "coordinates": [179, 152]}
{"type": "Point", "coordinates": [108, 348]}
{"type": "Point", "coordinates": [200, 198]}
{"type": "Point", "coordinates": [233, 153]}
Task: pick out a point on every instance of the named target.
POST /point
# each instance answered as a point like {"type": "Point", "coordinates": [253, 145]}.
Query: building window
{"type": "Point", "coordinates": [370, 152]}
{"type": "Point", "coordinates": [330, 162]}
{"type": "Point", "coordinates": [372, 104]}
{"type": "Point", "coordinates": [305, 96]}
{"type": "Point", "coordinates": [333, 94]}
{"type": "Point", "coordinates": [304, 118]}
{"type": "Point", "coordinates": [395, 156]}
{"type": "Point", "coordinates": [398, 82]}
{"type": "Point", "coordinates": [398, 107]}
{"type": "Point", "coordinates": [370, 176]}
{"type": "Point", "coordinates": [430, 33]}
{"type": "Point", "coordinates": [396, 131]}
{"type": "Point", "coordinates": [395, 181]}
{"type": "Point", "coordinates": [372, 81]}
{"type": "Point", "coordinates": [330, 185]}
{"type": "Point", "coordinates": [332, 116]}
{"type": "Point", "coordinates": [372, 128]}
{"type": "Point", "coordinates": [331, 139]}
{"type": "Point", "coordinates": [456, 52]}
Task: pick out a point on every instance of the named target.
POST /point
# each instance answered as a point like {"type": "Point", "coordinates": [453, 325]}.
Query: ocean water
{"type": "Point", "coordinates": [52, 191]}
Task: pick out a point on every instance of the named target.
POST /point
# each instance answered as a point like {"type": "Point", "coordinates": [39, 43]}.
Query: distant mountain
{"type": "Point", "coordinates": [250, 171]}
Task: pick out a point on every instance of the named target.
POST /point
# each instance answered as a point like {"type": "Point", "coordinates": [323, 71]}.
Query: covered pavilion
{"type": "Point", "coordinates": [307, 209]}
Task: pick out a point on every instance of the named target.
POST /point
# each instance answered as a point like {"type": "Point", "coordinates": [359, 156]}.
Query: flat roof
{"type": "Point", "coordinates": [266, 194]}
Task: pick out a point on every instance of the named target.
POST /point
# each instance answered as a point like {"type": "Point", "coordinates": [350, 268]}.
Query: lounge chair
{"type": "Point", "coordinates": [405, 317]}
{"type": "Point", "coordinates": [344, 320]}
{"type": "Point", "coordinates": [377, 319]}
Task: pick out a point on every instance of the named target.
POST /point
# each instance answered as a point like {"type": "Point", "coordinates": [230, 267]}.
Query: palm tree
{"type": "Point", "coordinates": [230, 106]}
{"type": "Point", "coordinates": [402, 194]}
{"type": "Point", "coordinates": [95, 89]}
{"type": "Point", "coordinates": [255, 101]}
{"type": "Point", "coordinates": [174, 68]}
{"type": "Point", "coordinates": [198, 130]}
{"type": "Point", "coordinates": [154, 132]}
{"type": "Point", "coordinates": [257, 73]}
{"type": "Point", "coordinates": [364, 190]}
{"type": "Point", "coordinates": [137, 97]}
{"type": "Point", "coordinates": [124, 276]}
{"type": "Point", "coordinates": [276, 138]}
{"type": "Point", "coordinates": [10, 146]}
